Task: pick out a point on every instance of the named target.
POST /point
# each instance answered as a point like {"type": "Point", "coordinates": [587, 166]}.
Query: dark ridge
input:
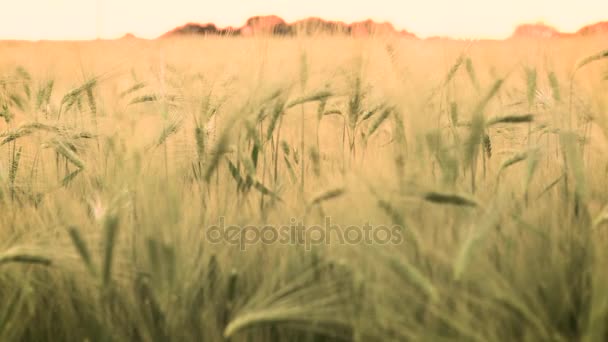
{"type": "Point", "coordinates": [204, 29]}
{"type": "Point", "coordinates": [273, 25]}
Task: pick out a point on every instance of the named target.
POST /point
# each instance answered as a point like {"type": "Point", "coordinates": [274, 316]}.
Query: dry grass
{"type": "Point", "coordinates": [118, 157]}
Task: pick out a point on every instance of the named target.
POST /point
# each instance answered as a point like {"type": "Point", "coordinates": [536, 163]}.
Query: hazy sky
{"type": "Point", "coordinates": [83, 19]}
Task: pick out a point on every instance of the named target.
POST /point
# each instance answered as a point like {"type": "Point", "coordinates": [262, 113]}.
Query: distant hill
{"type": "Point", "coordinates": [540, 30]}
{"type": "Point", "coordinates": [536, 31]}
{"type": "Point", "coordinates": [128, 36]}
{"type": "Point", "coordinates": [273, 25]}
{"type": "Point", "coordinates": [595, 29]}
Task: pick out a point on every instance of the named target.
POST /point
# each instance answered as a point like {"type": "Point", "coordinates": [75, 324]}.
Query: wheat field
{"type": "Point", "coordinates": [487, 160]}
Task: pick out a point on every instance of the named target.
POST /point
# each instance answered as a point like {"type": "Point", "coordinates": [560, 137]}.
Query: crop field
{"type": "Point", "coordinates": [304, 189]}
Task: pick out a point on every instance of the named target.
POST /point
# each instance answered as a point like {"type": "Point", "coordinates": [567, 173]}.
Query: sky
{"type": "Point", "coordinates": [89, 19]}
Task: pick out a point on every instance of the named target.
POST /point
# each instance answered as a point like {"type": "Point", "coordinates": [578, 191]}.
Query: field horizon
{"type": "Point", "coordinates": [273, 25]}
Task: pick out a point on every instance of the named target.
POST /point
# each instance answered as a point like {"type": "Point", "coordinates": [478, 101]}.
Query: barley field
{"type": "Point", "coordinates": [485, 162]}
